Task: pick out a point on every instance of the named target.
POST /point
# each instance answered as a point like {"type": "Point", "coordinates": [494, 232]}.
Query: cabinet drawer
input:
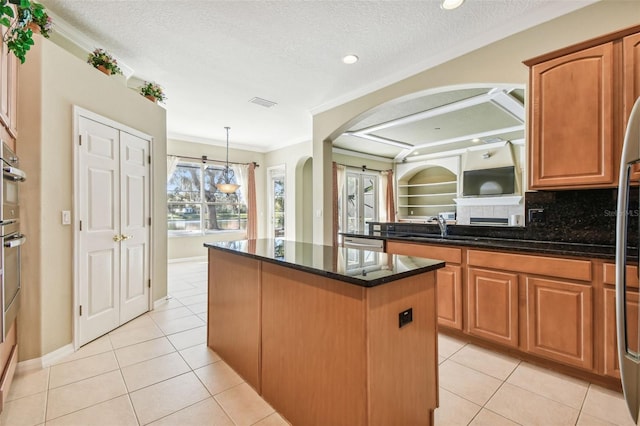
{"type": "Point", "coordinates": [539, 265]}
{"type": "Point", "coordinates": [447, 254]}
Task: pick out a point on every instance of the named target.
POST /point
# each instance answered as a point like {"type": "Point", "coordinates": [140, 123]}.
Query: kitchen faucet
{"type": "Point", "coordinates": [442, 223]}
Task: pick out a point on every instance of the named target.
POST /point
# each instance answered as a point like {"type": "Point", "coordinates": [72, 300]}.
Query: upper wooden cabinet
{"type": "Point", "coordinates": [579, 102]}
{"type": "Point", "coordinates": [572, 141]}
{"type": "Point", "coordinates": [8, 93]}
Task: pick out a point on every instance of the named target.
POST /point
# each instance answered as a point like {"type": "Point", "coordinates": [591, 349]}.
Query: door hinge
{"type": "Point", "coordinates": [149, 221]}
{"type": "Point", "coordinates": [149, 283]}
{"type": "Point", "coordinates": [81, 225]}
{"type": "Point", "coordinates": [80, 310]}
{"type": "Point", "coordinates": [149, 159]}
{"type": "Point", "coordinates": [80, 140]}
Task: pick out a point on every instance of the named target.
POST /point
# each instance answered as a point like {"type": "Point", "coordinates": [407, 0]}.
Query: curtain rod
{"type": "Point", "coordinates": [364, 168]}
{"type": "Point", "coordinates": [204, 159]}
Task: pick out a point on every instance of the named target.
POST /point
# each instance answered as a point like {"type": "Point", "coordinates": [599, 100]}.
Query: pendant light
{"type": "Point", "coordinates": [227, 187]}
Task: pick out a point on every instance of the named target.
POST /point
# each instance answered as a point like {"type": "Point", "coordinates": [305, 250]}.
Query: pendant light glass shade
{"type": "Point", "coordinates": [227, 187]}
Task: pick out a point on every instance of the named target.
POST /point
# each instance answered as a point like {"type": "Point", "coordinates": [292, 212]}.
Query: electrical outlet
{"type": "Point", "coordinates": [536, 215]}
{"type": "Point", "coordinates": [405, 317]}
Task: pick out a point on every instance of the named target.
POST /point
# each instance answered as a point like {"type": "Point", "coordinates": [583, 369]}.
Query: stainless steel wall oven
{"type": "Point", "coordinates": [12, 239]}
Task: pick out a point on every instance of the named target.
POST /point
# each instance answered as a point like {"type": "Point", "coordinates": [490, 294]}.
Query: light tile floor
{"type": "Point", "coordinates": [157, 370]}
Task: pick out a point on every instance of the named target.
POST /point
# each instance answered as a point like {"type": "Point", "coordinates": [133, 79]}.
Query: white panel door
{"type": "Point", "coordinates": [135, 186]}
{"type": "Point", "coordinates": [113, 244]}
{"type": "Point", "coordinates": [99, 212]}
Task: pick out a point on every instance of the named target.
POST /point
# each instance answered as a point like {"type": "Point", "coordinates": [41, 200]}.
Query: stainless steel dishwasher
{"type": "Point", "coordinates": [370, 244]}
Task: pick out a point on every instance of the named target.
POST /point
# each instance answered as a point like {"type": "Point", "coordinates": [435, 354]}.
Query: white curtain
{"type": "Point", "coordinates": [241, 171]}
{"type": "Point", "coordinates": [172, 163]}
{"type": "Point", "coordinates": [340, 173]}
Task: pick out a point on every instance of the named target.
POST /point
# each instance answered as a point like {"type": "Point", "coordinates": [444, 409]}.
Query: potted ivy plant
{"type": "Point", "coordinates": [153, 92]}
{"type": "Point", "coordinates": [36, 18]}
{"type": "Point", "coordinates": [19, 34]}
{"type": "Point", "coordinates": [103, 60]}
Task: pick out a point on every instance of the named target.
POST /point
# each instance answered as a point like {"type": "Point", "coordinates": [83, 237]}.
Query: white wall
{"type": "Point", "coordinates": [51, 82]}
{"type": "Point", "coordinates": [181, 247]}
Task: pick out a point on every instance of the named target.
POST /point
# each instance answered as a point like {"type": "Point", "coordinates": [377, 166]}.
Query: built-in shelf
{"type": "Point", "coordinates": [427, 193]}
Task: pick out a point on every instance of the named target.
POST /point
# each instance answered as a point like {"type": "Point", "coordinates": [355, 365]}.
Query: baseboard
{"type": "Point", "coordinates": [47, 359]}
{"type": "Point", "coordinates": [162, 301]}
{"type": "Point", "coordinates": [188, 259]}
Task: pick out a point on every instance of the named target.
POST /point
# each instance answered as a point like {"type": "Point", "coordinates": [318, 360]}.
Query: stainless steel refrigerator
{"type": "Point", "coordinates": [628, 351]}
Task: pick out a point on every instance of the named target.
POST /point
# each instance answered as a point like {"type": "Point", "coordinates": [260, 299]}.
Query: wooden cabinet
{"type": "Point", "coordinates": [611, 362]}
{"type": "Point", "coordinates": [559, 320]}
{"type": "Point", "coordinates": [449, 278]}
{"type": "Point", "coordinates": [572, 117]}
{"type": "Point", "coordinates": [611, 366]}
{"type": "Point", "coordinates": [492, 304]}
{"type": "Point", "coordinates": [8, 94]}
{"type": "Point", "coordinates": [580, 99]}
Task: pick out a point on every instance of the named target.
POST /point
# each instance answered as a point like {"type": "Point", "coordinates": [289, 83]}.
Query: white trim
{"type": "Point", "coordinates": [188, 259]}
{"type": "Point", "coordinates": [343, 151]}
{"type": "Point", "coordinates": [57, 355]}
{"type": "Point", "coordinates": [30, 365]}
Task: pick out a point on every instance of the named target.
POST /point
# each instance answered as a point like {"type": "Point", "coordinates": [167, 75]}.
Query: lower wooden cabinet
{"type": "Point", "coordinates": [449, 278]}
{"type": "Point", "coordinates": [449, 283]}
{"type": "Point", "coordinates": [492, 304]}
{"type": "Point", "coordinates": [560, 321]}
{"type": "Point", "coordinates": [611, 363]}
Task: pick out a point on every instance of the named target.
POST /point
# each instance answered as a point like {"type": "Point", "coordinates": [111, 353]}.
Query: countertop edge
{"type": "Point", "coordinates": [336, 276]}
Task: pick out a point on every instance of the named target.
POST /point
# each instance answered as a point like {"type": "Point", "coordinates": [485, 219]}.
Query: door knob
{"type": "Point", "coordinates": [126, 237]}
{"type": "Point", "coordinates": [117, 238]}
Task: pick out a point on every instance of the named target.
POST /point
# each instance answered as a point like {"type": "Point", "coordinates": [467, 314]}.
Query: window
{"type": "Point", "coordinates": [196, 207]}
{"type": "Point", "coordinates": [361, 206]}
{"type": "Point", "coordinates": [277, 191]}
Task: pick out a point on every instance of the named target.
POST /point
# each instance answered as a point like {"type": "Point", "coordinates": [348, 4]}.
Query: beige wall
{"type": "Point", "coordinates": [51, 82]}
{"type": "Point", "coordinates": [181, 247]}
{"type": "Point", "coordinates": [500, 62]}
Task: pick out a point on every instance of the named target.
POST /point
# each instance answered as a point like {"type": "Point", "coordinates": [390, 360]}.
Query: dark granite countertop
{"type": "Point", "coordinates": [557, 248]}
{"type": "Point", "coordinates": [354, 266]}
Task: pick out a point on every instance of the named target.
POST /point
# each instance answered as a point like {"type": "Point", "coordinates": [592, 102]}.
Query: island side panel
{"type": "Point", "coordinates": [313, 348]}
{"type": "Point", "coordinates": [233, 326]}
{"type": "Point", "coordinates": [403, 362]}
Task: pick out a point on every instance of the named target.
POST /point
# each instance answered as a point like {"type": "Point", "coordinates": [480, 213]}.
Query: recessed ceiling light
{"type": "Point", "coordinates": [475, 140]}
{"type": "Point", "coordinates": [350, 59]}
{"type": "Point", "coordinates": [451, 4]}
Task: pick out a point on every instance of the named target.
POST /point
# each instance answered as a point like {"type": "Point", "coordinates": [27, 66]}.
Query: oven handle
{"type": "Point", "coordinates": [14, 173]}
{"type": "Point", "coordinates": [16, 241]}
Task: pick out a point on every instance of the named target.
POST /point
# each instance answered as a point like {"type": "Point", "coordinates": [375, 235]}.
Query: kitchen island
{"type": "Point", "coordinates": [327, 335]}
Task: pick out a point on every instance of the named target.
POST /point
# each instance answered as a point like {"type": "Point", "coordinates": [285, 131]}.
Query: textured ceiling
{"type": "Point", "coordinates": [212, 57]}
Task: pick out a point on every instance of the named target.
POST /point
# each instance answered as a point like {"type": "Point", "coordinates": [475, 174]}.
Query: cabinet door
{"type": "Point", "coordinates": [571, 125]}
{"type": "Point", "coordinates": [630, 82]}
{"type": "Point", "coordinates": [8, 89]}
{"type": "Point", "coordinates": [611, 362]}
{"type": "Point", "coordinates": [559, 321]}
{"type": "Point", "coordinates": [449, 283]}
{"type": "Point", "coordinates": [493, 305]}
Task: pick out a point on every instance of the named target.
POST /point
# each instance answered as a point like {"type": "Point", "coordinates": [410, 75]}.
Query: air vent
{"type": "Point", "coordinates": [262, 102]}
